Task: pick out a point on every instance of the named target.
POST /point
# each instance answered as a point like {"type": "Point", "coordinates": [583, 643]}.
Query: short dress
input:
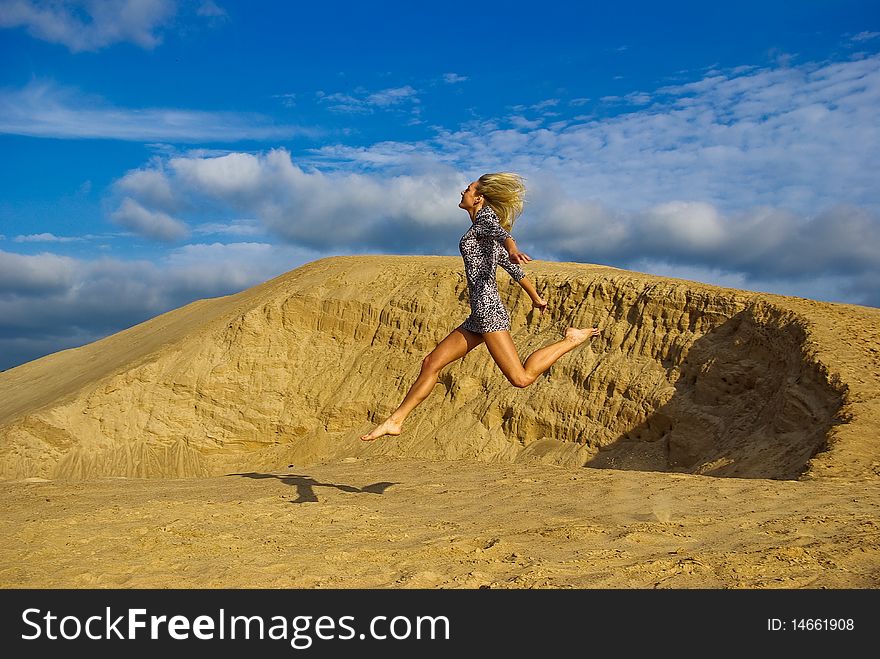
{"type": "Point", "coordinates": [482, 249]}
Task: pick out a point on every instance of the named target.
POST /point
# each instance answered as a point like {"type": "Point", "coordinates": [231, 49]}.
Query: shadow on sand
{"type": "Point", "coordinates": [305, 485]}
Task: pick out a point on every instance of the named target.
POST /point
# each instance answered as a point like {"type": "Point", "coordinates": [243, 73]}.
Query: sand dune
{"type": "Point", "coordinates": [625, 446]}
{"type": "Point", "coordinates": [685, 377]}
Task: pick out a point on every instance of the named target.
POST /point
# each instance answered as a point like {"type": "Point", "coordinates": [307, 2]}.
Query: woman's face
{"type": "Point", "coordinates": [469, 197]}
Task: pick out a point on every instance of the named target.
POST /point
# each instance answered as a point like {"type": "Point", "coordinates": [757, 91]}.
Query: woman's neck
{"type": "Point", "coordinates": [476, 210]}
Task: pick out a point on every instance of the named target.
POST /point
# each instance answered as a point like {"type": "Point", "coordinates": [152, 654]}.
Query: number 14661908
{"type": "Point", "coordinates": [810, 624]}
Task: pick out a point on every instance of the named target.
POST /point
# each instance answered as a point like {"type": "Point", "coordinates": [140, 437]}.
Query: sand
{"type": "Point", "coordinates": [403, 523]}
{"type": "Point", "coordinates": [709, 438]}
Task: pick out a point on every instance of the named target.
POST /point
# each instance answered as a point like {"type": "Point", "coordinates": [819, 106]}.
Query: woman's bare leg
{"type": "Point", "coordinates": [455, 346]}
{"type": "Point", "coordinates": [504, 353]}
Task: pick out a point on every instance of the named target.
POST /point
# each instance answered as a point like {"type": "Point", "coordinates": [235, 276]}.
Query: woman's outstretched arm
{"type": "Point", "coordinates": [511, 264]}
{"type": "Point", "coordinates": [537, 301]}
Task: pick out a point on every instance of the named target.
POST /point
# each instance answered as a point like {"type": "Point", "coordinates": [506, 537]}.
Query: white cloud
{"type": "Point", "coordinates": [684, 226]}
{"type": "Point", "coordinates": [288, 100]}
{"type": "Point", "coordinates": [638, 98]}
{"type": "Point", "coordinates": [89, 25]}
{"type": "Point", "coordinates": [227, 176]}
{"type": "Point", "coordinates": [394, 96]}
{"type": "Point", "coordinates": [196, 268]}
{"type": "Point", "coordinates": [390, 157]}
{"type": "Point", "coordinates": [546, 103]}
{"type": "Point", "coordinates": [210, 9]}
{"type": "Point", "coordinates": [820, 288]}
{"type": "Point", "coordinates": [452, 78]}
{"type": "Point", "coordinates": [320, 210]}
{"type": "Point", "coordinates": [42, 109]}
{"type": "Point", "coordinates": [46, 238]}
{"type": "Point", "coordinates": [363, 102]}
{"type": "Point", "coordinates": [37, 275]}
{"type": "Point", "coordinates": [233, 228]}
{"type": "Point", "coordinates": [343, 103]}
{"type": "Point", "coordinates": [763, 174]}
{"type": "Point", "coordinates": [866, 36]}
{"type": "Point", "coordinates": [759, 172]}
{"type": "Point", "coordinates": [525, 124]}
{"type": "Point", "coordinates": [149, 185]}
{"type": "Point", "coordinates": [801, 138]}
{"type": "Point", "coordinates": [538, 107]}
{"type": "Point", "coordinates": [841, 242]}
{"type": "Point", "coordinates": [354, 212]}
{"type": "Point", "coordinates": [149, 223]}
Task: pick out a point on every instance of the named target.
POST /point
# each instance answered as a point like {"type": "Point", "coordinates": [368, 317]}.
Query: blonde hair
{"type": "Point", "coordinates": [505, 193]}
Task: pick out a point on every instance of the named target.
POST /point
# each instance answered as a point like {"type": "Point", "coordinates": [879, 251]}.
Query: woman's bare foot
{"type": "Point", "coordinates": [387, 427]}
{"type": "Point", "coordinates": [580, 335]}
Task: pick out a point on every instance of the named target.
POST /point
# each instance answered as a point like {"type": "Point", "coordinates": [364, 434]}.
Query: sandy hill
{"type": "Point", "coordinates": [685, 377]}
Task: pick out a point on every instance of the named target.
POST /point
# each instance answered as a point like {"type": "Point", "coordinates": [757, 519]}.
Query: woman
{"type": "Point", "coordinates": [493, 201]}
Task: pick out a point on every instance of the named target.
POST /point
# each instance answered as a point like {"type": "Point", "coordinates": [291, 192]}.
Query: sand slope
{"type": "Point", "coordinates": [709, 438]}
{"type": "Point", "coordinates": [685, 377]}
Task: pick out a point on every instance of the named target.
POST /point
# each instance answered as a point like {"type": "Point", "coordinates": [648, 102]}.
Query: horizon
{"type": "Point", "coordinates": [160, 152]}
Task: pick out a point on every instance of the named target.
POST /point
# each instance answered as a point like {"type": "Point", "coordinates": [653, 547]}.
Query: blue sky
{"type": "Point", "coordinates": [157, 152]}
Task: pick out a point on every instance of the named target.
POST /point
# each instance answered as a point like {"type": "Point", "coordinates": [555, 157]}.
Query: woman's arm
{"type": "Point", "coordinates": [516, 256]}
{"type": "Point", "coordinates": [513, 269]}
{"type": "Point", "coordinates": [512, 266]}
{"type": "Point", "coordinates": [537, 301]}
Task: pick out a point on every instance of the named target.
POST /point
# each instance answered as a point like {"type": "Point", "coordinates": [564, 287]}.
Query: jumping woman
{"type": "Point", "coordinates": [493, 202]}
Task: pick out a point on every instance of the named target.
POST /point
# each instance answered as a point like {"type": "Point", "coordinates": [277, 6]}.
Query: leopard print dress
{"type": "Point", "coordinates": [482, 249]}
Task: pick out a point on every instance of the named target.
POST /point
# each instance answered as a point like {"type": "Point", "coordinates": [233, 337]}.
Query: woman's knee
{"type": "Point", "coordinates": [520, 380]}
{"type": "Point", "coordinates": [431, 364]}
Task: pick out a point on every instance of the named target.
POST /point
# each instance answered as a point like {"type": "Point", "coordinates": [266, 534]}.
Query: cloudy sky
{"type": "Point", "coordinates": [160, 151]}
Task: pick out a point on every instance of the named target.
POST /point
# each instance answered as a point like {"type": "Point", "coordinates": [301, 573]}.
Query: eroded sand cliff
{"type": "Point", "coordinates": [685, 377]}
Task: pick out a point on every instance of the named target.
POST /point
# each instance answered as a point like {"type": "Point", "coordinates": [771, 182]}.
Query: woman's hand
{"type": "Point", "coordinates": [519, 257]}
{"type": "Point", "coordinates": [540, 304]}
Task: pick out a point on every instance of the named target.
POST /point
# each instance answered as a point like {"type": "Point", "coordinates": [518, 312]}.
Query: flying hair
{"type": "Point", "coordinates": [505, 193]}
